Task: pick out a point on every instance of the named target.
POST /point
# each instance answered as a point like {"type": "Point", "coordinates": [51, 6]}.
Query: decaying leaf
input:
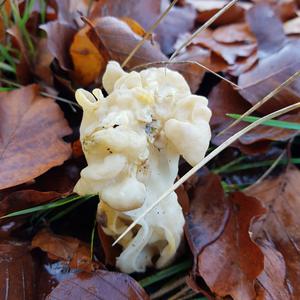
{"type": "Point", "coordinates": [17, 271]}
{"type": "Point", "coordinates": [99, 285]}
{"type": "Point", "coordinates": [280, 227]}
{"type": "Point", "coordinates": [69, 249]}
{"type": "Point", "coordinates": [231, 264]}
{"type": "Point", "coordinates": [31, 134]}
{"type": "Point", "coordinates": [279, 59]}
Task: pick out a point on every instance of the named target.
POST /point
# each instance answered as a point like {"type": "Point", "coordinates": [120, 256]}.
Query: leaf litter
{"type": "Point", "coordinates": [243, 244]}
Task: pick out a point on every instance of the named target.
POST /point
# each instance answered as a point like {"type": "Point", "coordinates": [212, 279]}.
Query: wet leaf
{"type": "Point", "coordinates": [98, 285]}
{"type": "Point", "coordinates": [208, 214]}
{"type": "Point", "coordinates": [69, 249]}
{"type": "Point", "coordinates": [279, 59]}
{"type": "Point", "coordinates": [231, 263]}
{"type": "Point", "coordinates": [87, 61]}
{"type": "Point", "coordinates": [31, 133]}
{"type": "Point", "coordinates": [17, 271]}
{"type": "Point", "coordinates": [280, 227]}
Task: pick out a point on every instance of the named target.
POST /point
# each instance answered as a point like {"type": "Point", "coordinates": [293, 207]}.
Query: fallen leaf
{"type": "Point", "coordinates": [292, 26]}
{"type": "Point", "coordinates": [206, 9]}
{"type": "Point", "coordinates": [229, 52]}
{"type": "Point", "coordinates": [271, 282]}
{"type": "Point", "coordinates": [145, 12]}
{"type": "Point", "coordinates": [59, 39]}
{"type": "Point", "coordinates": [231, 263]}
{"type": "Point", "coordinates": [88, 63]}
{"type": "Point", "coordinates": [135, 26]}
{"type": "Point", "coordinates": [98, 285]}
{"type": "Point", "coordinates": [223, 100]}
{"type": "Point", "coordinates": [31, 133]}
{"type": "Point", "coordinates": [280, 226]}
{"type": "Point", "coordinates": [66, 248]}
{"type": "Point", "coordinates": [17, 271]}
{"type": "Point", "coordinates": [233, 33]}
{"type": "Point", "coordinates": [279, 59]}
{"type": "Point", "coordinates": [107, 34]}
{"type": "Point", "coordinates": [24, 199]}
{"type": "Point", "coordinates": [208, 214]}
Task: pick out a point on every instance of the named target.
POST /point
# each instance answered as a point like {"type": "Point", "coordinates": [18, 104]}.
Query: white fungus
{"type": "Point", "coordinates": [132, 140]}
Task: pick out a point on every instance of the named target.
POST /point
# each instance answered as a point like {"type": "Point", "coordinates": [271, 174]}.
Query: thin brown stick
{"type": "Point", "coordinates": [148, 33]}
{"type": "Point", "coordinates": [168, 288]}
{"type": "Point", "coordinates": [262, 101]}
{"type": "Point", "coordinates": [185, 62]}
{"type": "Point", "coordinates": [203, 27]}
{"type": "Point", "coordinates": [206, 159]}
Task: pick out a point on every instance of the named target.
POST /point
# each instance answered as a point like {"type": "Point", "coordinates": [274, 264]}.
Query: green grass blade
{"type": "Point", "coordinates": [183, 266]}
{"type": "Point", "coordinates": [6, 67]}
{"type": "Point", "coordinates": [50, 205]}
{"type": "Point", "coordinates": [6, 89]}
{"type": "Point", "coordinates": [273, 123]}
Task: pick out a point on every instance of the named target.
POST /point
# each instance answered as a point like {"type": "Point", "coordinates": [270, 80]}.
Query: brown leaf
{"type": "Point", "coordinates": [233, 33]}
{"type": "Point", "coordinates": [208, 214]}
{"type": "Point", "coordinates": [110, 31]}
{"type": "Point", "coordinates": [17, 271]}
{"type": "Point", "coordinates": [271, 282]}
{"type": "Point", "coordinates": [65, 248]}
{"type": "Point", "coordinates": [231, 264]}
{"type": "Point", "coordinates": [279, 59]}
{"type": "Point", "coordinates": [206, 9]}
{"type": "Point", "coordinates": [101, 284]}
{"type": "Point", "coordinates": [59, 39]}
{"type": "Point", "coordinates": [229, 52]}
{"type": "Point", "coordinates": [31, 134]}
{"type": "Point", "coordinates": [87, 61]}
{"type": "Point", "coordinates": [145, 12]}
{"type": "Point", "coordinates": [223, 100]}
{"type": "Point", "coordinates": [280, 226]}
{"type": "Point", "coordinates": [24, 199]}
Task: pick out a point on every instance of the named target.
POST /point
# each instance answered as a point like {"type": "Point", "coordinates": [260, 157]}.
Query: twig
{"type": "Point", "coordinates": [168, 288]}
{"type": "Point", "coordinates": [148, 33]}
{"type": "Point", "coordinates": [205, 160]}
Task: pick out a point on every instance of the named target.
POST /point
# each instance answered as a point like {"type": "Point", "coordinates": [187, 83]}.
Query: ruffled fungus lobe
{"type": "Point", "coordinates": [132, 140]}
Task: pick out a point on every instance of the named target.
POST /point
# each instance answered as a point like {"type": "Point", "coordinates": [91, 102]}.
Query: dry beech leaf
{"type": "Point", "coordinates": [271, 282]}
{"type": "Point", "coordinates": [279, 58]}
{"type": "Point", "coordinates": [233, 33]}
{"type": "Point", "coordinates": [281, 227]}
{"type": "Point", "coordinates": [206, 9]}
{"type": "Point", "coordinates": [229, 52]}
{"type": "Point", "coordinates": [59, 39]}
{"type": "Point", "coordinates": [31, 134]}
{"type": "Point", "coordinates": [88, 63]}
{"type": "Point", "coordinates": [17, 271]}
{"type": "Point", "coordinates": [232, 262]}
{"type": "Point", "coordinates": [69, 249]}
{"type": "Point", "coordinates": [208, 214]}
{"type": "Point", "coordinates": [292, 26]}
{"type": "Point", "coordinates": [224, 99]}
{"type": "Point", "coordinates": [118, 40]}
{"type": "Point", "coordinates": [24, 199]}
{"type": "Point", "coordinates": [101, 284]}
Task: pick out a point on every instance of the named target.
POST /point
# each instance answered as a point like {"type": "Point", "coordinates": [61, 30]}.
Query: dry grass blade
{"type": "Point", "coordinates": [203, 27]}
{"type": "Point", "coordinates": [262, 101]}
{"type": "Point", "coordinates": [206, 159]}
{"type": "Point", "coordinates": [148, 33]}
{"type": "Point", "coordinates": [165, 63]}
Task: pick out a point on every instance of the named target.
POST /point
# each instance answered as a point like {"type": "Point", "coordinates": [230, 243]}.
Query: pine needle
{"type": "Point", "coordinates": [205, 160]}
